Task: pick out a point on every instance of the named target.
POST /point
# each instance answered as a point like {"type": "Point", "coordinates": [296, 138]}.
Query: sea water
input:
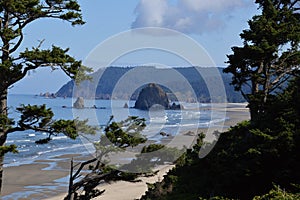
{"type": "Point", "coordinates": [169, 121]}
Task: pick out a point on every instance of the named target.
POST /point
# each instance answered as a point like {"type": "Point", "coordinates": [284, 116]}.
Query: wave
{"type": "Point", "coordinates": [186, 124]}
{"type": "Point", "coordinates": [59, 137]}
{"type": "Point", "coordinates": [60, 148]}
{"type": "Point", "coordinates": [34, 139]}
{"type": "Point", "coordinates": [23, 150]}
{"type": "Point", "coordinates": [16, 141]}
{"type": "Point", "coordinates": [160, 119]}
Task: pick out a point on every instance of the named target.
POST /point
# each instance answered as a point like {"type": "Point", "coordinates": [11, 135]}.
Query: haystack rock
{"type": "Point", "coordinates": [152, 96]}
{"type": "Point", "coordinates": [79, 103]}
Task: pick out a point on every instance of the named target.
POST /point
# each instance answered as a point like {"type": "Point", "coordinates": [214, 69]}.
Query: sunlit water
{"type": "Point", "coordinates": [169, 121]}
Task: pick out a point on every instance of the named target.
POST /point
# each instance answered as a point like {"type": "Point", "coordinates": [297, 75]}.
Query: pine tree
{"type": "Point", "coordinates": [15, 16]}
{"type": "Point", "coordinates": [270, 55]}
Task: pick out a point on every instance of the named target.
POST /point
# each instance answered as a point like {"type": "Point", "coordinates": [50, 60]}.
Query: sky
{"type": "Point", "coordinates": [215, 25]}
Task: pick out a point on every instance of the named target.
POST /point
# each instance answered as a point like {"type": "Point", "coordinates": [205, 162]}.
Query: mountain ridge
{"type": "Point", "coordinates": [113, 76]}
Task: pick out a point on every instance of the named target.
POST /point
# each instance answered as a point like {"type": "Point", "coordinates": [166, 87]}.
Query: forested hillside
{"type": "Point", "coordinates": [247, 162]}
{"type": "Point", "coordinates": [110, 76]}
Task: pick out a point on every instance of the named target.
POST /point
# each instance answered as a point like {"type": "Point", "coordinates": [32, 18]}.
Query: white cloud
{"type": "Point", "coordinates": [212, 5]}
{"type": "Point", "coordinates": [188, 16]}
{"type": "Point", "coordinates": [151, 13]}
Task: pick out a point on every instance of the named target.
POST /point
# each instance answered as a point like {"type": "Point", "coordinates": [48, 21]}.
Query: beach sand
{"type": "Point", "coordinates": [50, 181]}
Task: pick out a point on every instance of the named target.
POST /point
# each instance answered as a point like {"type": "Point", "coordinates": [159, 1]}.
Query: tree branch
{"type": "Point", "coordinates": [293, 4]}
{"type": "Point", "coordinates": [17, 45]}
{"type": "Point", "coordinates": [81, 167]}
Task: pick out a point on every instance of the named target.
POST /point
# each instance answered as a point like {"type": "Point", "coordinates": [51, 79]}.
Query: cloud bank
{"type": "Point", "coordinates": [187, 16]}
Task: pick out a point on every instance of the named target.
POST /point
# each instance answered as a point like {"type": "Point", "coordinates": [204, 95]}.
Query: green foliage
{"type": "Point", "coordinates": [278, 194]}
{"type": "Point", "coordinates": [117, 137]}
{"type": "Point", "coordinates": [40, 118]}
{"type": "Point", "coordinates": [5, 149]}
{"type": "Point", "coordinates": [270, 54]}
{"type": "Point", "coordinates": [151, 148]}
{"type": "Point", "coordinates": [5, 122]}
{"type": "Point", "coordinates": [250, 157]}
{"type": "Point", "coordinates": [246, 161]}
{"type": "Point", "coordinates": [177, 182]}
{"type": "Point", "coordinates": [125, 133]}
{"type": "Point", "coordinates": [151, 156]}
{"type": "Point", "coordinates": [56, 57]}
{"type": "Point", "coordinates": [120, 135]}
{"type": "Point", "coordinates": [15, 17]}
{"type": "Point", "coordinates": [36, 116]}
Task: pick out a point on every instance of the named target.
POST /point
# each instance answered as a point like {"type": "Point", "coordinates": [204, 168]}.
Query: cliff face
{"type": "Point", "coordinates": [152, 96]}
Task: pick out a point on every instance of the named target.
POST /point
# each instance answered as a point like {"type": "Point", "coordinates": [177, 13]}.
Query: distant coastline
{"type": "Point", "coordinates": [106, 87]}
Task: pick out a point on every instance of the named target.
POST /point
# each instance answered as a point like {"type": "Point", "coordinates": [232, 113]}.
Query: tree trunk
{"type": "Point", "coordinates": [71, 180]}
{"type": "Point", "coordinates": [253, 111]}
{"type": "Point", "coordinates": [3, 134]}
{"type": "Point", "coordinates": [253, 101]}
{"type": "Point", "coordinates": [3, 94]}
{"type": "Point", "coordinates": [1, 171]}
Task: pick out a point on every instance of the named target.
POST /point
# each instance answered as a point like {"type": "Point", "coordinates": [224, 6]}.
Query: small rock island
{"type": "Point", "coordinates": [154, 97]}
{"type": "Point", "coordinates": [79, 103]}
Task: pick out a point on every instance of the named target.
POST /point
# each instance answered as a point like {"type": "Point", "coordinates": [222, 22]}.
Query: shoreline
{"type": "Point", "coordinates": [49, 178]}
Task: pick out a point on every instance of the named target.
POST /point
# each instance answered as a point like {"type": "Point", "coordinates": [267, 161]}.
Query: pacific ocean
{"type": "Point", "coordinates": [195, 115]}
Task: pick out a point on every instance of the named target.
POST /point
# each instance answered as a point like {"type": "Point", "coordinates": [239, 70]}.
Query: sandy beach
{"type": "Point", "coordinates": [47, 179]}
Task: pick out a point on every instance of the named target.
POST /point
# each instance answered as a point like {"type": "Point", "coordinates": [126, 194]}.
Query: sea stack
{"type": "Point", "coordinates": [152, 96]}
{"type": "Point", "coordinates": [79, 103]}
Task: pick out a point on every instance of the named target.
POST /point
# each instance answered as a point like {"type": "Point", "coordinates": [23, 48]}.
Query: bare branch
{"type": "Point", "coordinates": [82, 165]}
{"type": "Point", "coordinates": [17, 45]}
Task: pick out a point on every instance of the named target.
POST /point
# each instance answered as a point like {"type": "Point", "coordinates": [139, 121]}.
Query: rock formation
{"type": "Point", "coordinates": [175, 106]}
{"type": "Point", "coordinates": [152, 96]}
{"type": "Point", "coordinates": [79, 103]}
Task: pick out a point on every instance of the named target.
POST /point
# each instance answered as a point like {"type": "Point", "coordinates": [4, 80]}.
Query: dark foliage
{"type": "Point", "coordinates": [15, 17]}
{"type": "Point", "coordinates": [117, 137]}
{"type": "Point", "coordinates": [247, 160]}
{"type": "Point", "coordinates": [270, 55]}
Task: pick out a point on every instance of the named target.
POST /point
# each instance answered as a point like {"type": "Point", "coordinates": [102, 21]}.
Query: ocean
{"type": "Point", "coordinates": [169, 121]}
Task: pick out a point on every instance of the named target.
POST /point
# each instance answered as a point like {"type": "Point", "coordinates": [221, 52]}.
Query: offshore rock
{"type": "Point", "coordinates": [152, 96]}
{"type": "Point", "coordinates": [79, 103]}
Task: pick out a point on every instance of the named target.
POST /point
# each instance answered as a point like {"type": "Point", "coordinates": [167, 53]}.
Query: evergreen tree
{"type": "Point", "coordinates": [270, 55]}
{"type": "Point", "coordinates": [15, 16]}
{"type": "Point", "coordinates": [248, 160]}
{"type": "Point", "coordinates": [116, 138]}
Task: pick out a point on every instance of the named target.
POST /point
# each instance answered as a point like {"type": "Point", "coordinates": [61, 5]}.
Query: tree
{"type": "Point", "coordinates": [116, 138]}
{"type": "Point", "coordinates": [15, 16]}
{"type": "Point", "coordinates": [278, 193]}
{"type": "Point", "coordinates": [248, 160]}
{"type": "Point", "coordinates": [270, 55]}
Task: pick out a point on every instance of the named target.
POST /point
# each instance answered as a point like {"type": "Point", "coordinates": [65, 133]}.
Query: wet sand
{"type": "Point", "coordinates": [48, 178]}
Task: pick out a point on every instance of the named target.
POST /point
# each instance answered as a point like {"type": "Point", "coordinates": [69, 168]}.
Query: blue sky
{"type": "Point", "coordinates": [214, 24]}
